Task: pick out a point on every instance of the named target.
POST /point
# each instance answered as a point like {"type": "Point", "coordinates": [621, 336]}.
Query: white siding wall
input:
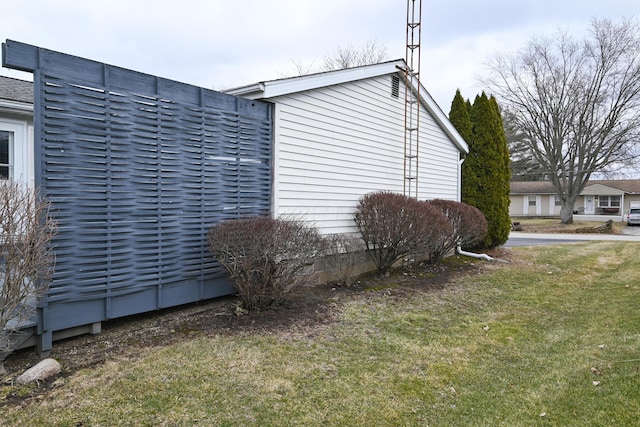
{"type": "Point", "coordinates": [335, 144]}
{"type": "Point", "coordinates": [517, 205]}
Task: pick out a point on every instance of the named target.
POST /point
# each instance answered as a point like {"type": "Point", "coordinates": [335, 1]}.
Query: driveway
{"type": "Point", "coordinates": [631, 231]}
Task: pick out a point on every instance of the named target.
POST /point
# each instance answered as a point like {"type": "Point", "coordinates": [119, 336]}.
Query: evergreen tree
{"type": "Point", "coordinates": [460, 119]}
{"type": "Point", "coordinates": [485, 171]}
{"type": "Point", "coordinates": [459, 116]}
{"type": "Point", "coordinates": [503, 221]}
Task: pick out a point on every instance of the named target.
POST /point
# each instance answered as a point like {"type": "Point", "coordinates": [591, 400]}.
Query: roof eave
{"type": "Point", "coordinates": [432, 106]}
{"type": "Point", "coordinates": [274, 88]}
{"type": "Point", "coordinates": [286, 86]}
{"type": "Point", "coordinates": [252, 91]}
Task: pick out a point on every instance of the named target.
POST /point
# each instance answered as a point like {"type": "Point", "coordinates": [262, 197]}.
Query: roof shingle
{"type": "Point", "coordinates": [16, 90]}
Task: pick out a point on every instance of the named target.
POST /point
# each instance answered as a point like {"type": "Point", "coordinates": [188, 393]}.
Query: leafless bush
{"type": "Point", "coordinates": [468, 227]}
{"type": "Point", "coordinates": [26, 257]}
{"type": "Point", "coordinates": [342, 255]}
{"type": "Point", "coordinates": [393, 226]}
{"type": "Point", "coordinates": [265, 258]}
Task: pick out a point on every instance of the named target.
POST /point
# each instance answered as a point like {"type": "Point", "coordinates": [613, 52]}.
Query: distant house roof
{"type": "Point", "coordinates": [16, 97]}
{"type": "Point", "coordinates": [629, 186]}
{"type": "Point", "coordinates": [286, 86]}
{"type": "Point", "coordinates": [532, 187]}
{"type": "Point", "coordinates": [16, 90]}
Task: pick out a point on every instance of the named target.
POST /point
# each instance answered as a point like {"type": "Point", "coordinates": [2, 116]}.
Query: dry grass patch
{"type": "Point", "coordinates": [553, 225]}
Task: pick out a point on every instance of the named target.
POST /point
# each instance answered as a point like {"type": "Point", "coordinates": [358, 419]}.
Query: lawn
{"type": "Point", "coordinates": [550, 338]}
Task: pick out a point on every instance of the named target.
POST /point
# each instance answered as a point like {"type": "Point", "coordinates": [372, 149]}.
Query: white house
{"type": "Point", "coordinates": [16, 130]}
{"type": "Point", "coordinates": [133, 219]}
{"type": "Point", "coordinates": [340, 134]}
{"type": "Point", "coordinates": [600, 200]}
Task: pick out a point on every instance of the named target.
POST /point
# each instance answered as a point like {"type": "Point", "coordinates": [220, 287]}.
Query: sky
{"type": "Point", "coordinates": [220, 44]}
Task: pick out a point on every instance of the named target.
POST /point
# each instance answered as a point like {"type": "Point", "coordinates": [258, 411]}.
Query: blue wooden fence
{"type": "Point", "coordinates": [137, 168]}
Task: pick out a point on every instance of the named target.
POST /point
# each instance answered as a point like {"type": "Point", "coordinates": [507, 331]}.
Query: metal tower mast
{"type": "Point", "coordinates": [412, 99]}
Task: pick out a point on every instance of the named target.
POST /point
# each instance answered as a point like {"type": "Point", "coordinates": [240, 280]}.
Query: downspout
{"type": "Point", "coordinates": [485, 257]}
{"type": "Point", "coordinates": [459, 250]}
{"type": "Point", "coordinates": [460, 162]}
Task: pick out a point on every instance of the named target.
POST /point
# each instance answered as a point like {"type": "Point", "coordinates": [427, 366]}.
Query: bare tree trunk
{"type": "Point", "coordinates": [566, 213]}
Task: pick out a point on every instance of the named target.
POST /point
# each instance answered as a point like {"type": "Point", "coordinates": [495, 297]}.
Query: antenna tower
{"type": "Point", "coordinates": [412, 98]}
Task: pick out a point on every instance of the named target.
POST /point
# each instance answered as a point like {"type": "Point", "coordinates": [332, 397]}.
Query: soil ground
{"type": "Point", "coordinates": [309, 307]}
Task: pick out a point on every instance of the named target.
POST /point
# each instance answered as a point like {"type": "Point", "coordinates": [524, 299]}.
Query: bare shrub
{"type": "Point", "coordinates": [265, 258]}
{"type": "Point", "coordinates": [26, 257]}
{"type": "Point", "coordinates": [393, 226]}
{"type": "Point", "coordinates": [342, 256]}
{"type": "Point", "coordinates": [468, 227]}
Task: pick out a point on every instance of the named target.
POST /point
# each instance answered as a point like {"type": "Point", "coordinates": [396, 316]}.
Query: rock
{"type": "Point", "coordinates": [44, 369]}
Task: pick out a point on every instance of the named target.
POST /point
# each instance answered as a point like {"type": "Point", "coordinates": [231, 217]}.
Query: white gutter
{"type": "Point", "coordinates": [13, 106]}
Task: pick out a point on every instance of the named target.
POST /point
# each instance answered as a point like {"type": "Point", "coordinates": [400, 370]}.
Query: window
{"type": "Point", "coordinates": [395, 86]}
{"type": "Point", "coordinates": [532, 200]}
{"type": "Point", "coordinates": [6, 155]}
{"type": "Point", "coordinates": [558, 201]}
{"type": "Point", "coordinates": [16, 151]}
{"type": "Point", "coordinates": [609, 201]}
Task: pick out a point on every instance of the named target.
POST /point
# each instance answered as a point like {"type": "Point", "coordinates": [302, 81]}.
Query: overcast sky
{"type": "Point", "coordinates": [221, 44]}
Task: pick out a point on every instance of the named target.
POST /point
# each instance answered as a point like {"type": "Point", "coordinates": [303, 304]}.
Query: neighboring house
{"type": "Point", "coordinates": [340, 134]}
{"type": "Point", "coordinates": [16, 130]}
{"type": "Point", "coordinates": [600, 199]}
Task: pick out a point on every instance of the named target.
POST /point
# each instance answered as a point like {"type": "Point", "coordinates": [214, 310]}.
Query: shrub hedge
{"type": "Point", "coordinates": [394, 226]}
{"type": "Point", "coordinates": [265, 258]}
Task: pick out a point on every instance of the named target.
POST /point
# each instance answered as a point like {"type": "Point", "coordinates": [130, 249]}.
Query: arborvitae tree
{"type": "Point", "coordinates": [459, 116]}
{"type": "Point", "coordinates": [461, 120]}
{"type": "Point", "coordinates": [485, 171]}
{"type": "Point", "coordinates": [503, 221]}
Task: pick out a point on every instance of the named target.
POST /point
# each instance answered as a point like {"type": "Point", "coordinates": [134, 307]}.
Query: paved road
{"type": "Point", "coordinates": [517, 238]}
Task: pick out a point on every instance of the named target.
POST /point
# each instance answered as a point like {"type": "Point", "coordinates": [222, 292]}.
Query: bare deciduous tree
{"type": "Point", "coordinates": [346, 57]}
{"type": "Point", "coordinates": [302, 69]}
{"type": "Point", "coordinates": [523, 166]}
{"type": "Point", "coordinates": [577, 102]}
{"type": "Point", "coordinates": [26, 256]}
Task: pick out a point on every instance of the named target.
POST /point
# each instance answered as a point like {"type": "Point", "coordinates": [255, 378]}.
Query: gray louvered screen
{"type": "Point", "coordinates": [138, 167]}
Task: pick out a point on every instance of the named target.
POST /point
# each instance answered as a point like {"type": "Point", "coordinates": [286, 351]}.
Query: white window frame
{"type": "Point", "coordinates": [21, 154]}
{"type": "Point", "coordinates": [608, 199]}
{"type": "Point", "coordinates": [9, 164]}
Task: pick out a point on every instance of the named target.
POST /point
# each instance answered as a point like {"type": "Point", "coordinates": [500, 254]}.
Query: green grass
{"type": "Point", "coordinates": [519, 345]}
